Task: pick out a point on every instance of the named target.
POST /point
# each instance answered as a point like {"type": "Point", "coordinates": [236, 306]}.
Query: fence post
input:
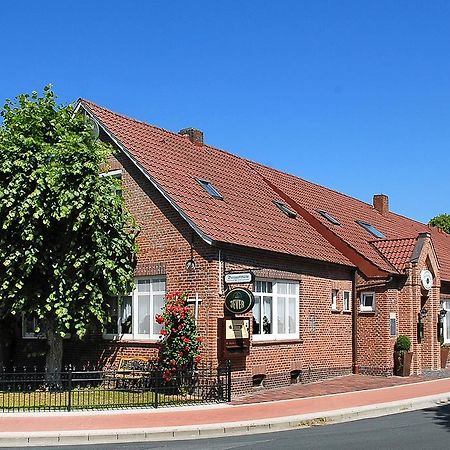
{"type": "Point", "coordinates": [69, 401]}
{"type": "Point", "coordinates": [156, 399]}
{"type": "Point", "coordinates": [228, 381]}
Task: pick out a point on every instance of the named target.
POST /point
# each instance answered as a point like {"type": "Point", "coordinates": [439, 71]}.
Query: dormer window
{"type": "Point", "coordinates": [209, 188]}
{"type": "Point", "coordinates": [328, 216]}
{"type": "Point", "coordinates": [371, 229]}
{"type": "Point", "coordinates": [285, 209]}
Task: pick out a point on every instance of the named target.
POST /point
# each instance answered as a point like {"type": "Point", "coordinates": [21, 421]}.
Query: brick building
{"type": "Point", "coordinates": [336, 280]}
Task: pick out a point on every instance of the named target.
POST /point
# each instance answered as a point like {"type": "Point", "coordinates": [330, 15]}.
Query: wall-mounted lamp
{"type": "Point", "coordinates": [423, 313]}
{"type": "Point", "coordinates": [442, 314]}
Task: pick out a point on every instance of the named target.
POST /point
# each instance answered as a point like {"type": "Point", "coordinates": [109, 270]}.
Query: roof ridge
{"type": "Point", "coordinates": [313, 183]}
{"type": "Point", "coordinates": [123, 116]}
{"type": "Point", "coordinates": [173, 133]}
{"type": "Point", "coordinates": [374, 241]}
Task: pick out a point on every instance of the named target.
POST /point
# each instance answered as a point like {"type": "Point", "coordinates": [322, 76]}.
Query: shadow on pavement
{"type": "Point", "coordinates": [440, 415]}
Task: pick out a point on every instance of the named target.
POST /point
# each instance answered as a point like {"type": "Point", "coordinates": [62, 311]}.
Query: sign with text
{"type": "Point", "coordinates": [236, 278]}
{"type": "Point", "coordinates": [237, 329]}
{"type": "Point", "coordinates": [239, 300]}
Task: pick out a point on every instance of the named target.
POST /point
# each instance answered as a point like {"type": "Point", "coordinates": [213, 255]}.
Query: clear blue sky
{"type": "Point", "coordinates": [354, 95]}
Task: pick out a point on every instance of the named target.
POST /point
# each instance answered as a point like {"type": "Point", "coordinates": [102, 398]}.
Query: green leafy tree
{"type": "Point", "coordinates": [181, 344]}
{"type": "Point", "coordinates": [441, 221]}
{"type": "Point", "coordinates": [67, 243]}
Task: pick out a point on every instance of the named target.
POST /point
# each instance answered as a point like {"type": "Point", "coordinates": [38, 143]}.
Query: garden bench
{"type": "Point", "coordinates": [130, 373]}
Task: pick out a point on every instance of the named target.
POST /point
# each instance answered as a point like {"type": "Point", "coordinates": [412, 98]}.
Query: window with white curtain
{"type": "Point", "coordinates": [276, 310]}
{"type": "Point", "coordinates": [133, 317]}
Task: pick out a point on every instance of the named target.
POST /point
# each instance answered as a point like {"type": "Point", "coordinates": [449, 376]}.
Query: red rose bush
{"type": "Point", "coordinates": [180, 344]}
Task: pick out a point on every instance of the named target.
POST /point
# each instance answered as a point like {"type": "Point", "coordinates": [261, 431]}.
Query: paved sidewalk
{"type": "Point", "coordinates": [299, 407]}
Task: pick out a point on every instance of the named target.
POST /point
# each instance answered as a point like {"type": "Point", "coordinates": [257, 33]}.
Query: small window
{"type": "Point", "coordinates": [112, 173]}
{"type": "Point", "coordinates": [328, 216]}
{"type": "Point", "coordinates": [258, 380]}
{"type": "Point", "coordinates": [285, 209]}
{"type": "Point", "coordinates": [346, 298]}
{"type": "Point", "coordinates": [371, 229]}
{"type": "Point", "coordinates": [368, 301]}
{"type": "Point", "coordinates": [117, 175]}
{"type": "Point", "coordinates": [393, 324]}
{"type": "Point", "coordinates": [334, 296]}
{"type": "Point", "coordinates": [209, 188]}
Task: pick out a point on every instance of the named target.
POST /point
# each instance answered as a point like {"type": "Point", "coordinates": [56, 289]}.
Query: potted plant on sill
{"type": "Point", "coordinates": [402, 356]}
{"type": "Point", "coordinates": [445, 350]}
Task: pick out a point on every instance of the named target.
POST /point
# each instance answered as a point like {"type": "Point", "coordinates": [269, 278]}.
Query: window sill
{"type": "Point", "coordinates": [369, 313]}
{"type": "Point", "coordinates": [335, 311]}
{"type": "Point", "coordinates": [275, 342]}
{"type": "Point", "coordinates": [129, 341]}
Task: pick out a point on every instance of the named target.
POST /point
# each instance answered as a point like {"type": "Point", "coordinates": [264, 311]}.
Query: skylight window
{"type": "Point", "coordinates": [285, 209]}
{"type": "Point", "coordinates": [328, 216]}
{"type": "Point", "coordinates": [371, 229]}
{"type": "Point", "coordinates": [210, 189]}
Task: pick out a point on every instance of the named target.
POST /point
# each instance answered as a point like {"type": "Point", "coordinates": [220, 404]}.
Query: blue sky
{"type": "Point", "coordinates": [354, 95]}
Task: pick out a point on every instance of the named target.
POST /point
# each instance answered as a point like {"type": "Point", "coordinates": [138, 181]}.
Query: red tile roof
{"type": "Point", "coordinates": [348, 210]}
{"type": "Point", "coordinates": [397, 252]}
{"type": "Point", "coordinates": [247, 216]}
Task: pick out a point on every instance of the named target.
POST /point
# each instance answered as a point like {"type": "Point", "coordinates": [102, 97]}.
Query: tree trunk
{"type": "Point", "coordinates": [6, 340]}
{"type": "Point", "coordinates": [53, 358]}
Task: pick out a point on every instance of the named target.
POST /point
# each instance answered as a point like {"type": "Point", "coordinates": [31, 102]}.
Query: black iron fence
{"type": "Point", "coordinates": [33, 390]}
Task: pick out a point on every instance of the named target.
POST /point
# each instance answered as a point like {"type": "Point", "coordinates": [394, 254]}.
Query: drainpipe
{"type": "Point", "coordinates": [355, 367]}
{"type": "Point", "coordinates": [220, 271]}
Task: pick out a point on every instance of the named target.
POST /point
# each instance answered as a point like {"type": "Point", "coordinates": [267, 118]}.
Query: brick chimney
{"type": "Point", "coordinates": [381, 203]}
{"type": "Point", "coordinates": [194, 135]}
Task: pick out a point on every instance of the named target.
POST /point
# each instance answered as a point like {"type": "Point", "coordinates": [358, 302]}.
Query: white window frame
{"type": "Point", "coordinates": [275, 336]}
{"type": "Point", "coordinates": [334, 299]}
{"type": "Point", "coordinates": [135, 335]}
{"type": "Point", "coordinates": [393, 317]}
{"type": "Point", "coordinates": [364, 308]}
{"type": "Point", "coordinates": [446, 319]}
{"type": "Point", "coordinates": [347, 308]}
{"type": "Point", "coordinates": [112, 173]}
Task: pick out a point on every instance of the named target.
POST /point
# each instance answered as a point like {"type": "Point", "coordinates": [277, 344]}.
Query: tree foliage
{"type": "Point", "coordinates": [67, 243]}
{"type": "Point", "coordinates": [441, 221]}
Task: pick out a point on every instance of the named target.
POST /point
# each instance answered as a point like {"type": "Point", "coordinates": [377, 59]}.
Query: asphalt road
{"type": "Point", "coordinates": [426, 429]}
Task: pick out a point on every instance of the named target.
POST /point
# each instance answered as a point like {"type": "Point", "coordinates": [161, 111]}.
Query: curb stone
{"type": "Point", "coordinates": [82, 437]}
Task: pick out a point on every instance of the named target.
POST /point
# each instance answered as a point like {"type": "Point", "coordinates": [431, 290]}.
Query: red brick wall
{"type": "Point", "coordinates": [166, 242]}
{"type": "Point", "coordinates": [324, 346]}
{"type": "Point", "coordinates": [375, 345]}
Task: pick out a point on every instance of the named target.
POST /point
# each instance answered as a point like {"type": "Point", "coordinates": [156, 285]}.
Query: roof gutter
{"type": "Point", "coordinates": [152, 180]}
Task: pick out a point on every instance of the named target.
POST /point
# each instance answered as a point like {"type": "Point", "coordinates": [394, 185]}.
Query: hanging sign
{"type": "Point", "coordinates": [239, 300]}
{"type": "Point", "coordinates": [236, 278]}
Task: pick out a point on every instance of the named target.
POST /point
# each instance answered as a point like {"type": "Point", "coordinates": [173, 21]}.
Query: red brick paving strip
{"type": "Point", "coordinates": [333, 386]}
